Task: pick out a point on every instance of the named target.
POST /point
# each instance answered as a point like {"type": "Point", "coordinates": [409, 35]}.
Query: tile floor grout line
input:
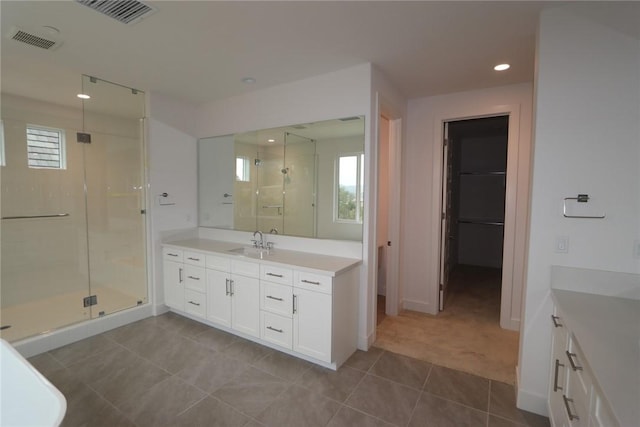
{"type": "Point", "coordinates": [454, 401]}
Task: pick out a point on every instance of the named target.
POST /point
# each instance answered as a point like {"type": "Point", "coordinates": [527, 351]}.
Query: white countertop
{"type": "Point", "coordinates": [607, 329]}
{"type": "Point", "coordinates": [314, 263]}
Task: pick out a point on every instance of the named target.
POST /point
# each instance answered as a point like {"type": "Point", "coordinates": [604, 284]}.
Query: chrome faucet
{"type": "Point", "coordinates": [258, 243]}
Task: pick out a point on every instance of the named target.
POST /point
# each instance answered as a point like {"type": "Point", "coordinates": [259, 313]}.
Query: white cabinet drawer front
{"type": "Point", "coordinates": [171, 254]}
{"type": "Point", "coordinates": [601, 415]}
{"type": "Point", "coordinates": [194, 258]}
{"type": "Point", "coordinates": [276, 298]}
{"type": "Point", "coordinates": [249, 269]}
{"type": "Point", "coordinates": [195, 278]}
{"type": "Point", "coordinates": [576, 364]}
{"type": "Point", "coordinates": [313, 282]}
{"type": "Point", "coordinates": [195, 303]}
{"type": "Point", "coordinates": [277, 329]}
{"type": "Point", "coordinates": [276, 274]}
{"type": "Point", "coordinates": [218, 263]}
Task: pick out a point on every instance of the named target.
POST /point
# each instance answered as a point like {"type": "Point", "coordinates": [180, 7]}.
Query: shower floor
{"type": "Point", "coordinates": [45, 315]}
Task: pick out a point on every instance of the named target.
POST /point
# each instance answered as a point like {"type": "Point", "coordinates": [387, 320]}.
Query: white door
{"type": "Point", "coordinates": [393, 228]}
{"type": "Point", "coordinates": [173, 284]}
{"type": "Point", "coordinates": [445, 227]}
{"type": "Point", "coordinates": [219, 297]}
{"type": "Point", "coordinates": [312, 324]}
{"type": "Point", "coordinates": [245, 305]}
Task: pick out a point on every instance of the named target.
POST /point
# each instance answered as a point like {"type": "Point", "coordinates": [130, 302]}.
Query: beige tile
{"type": "Point", "coordinates": [384, 399]}
{"type": "Point", "coordinates": [283, 365]}
{"type": "Point", "coordinates": [212, 372]}
{"type": "Point", "coordinates": [211, 412]}
{"type": "Point", "coordinates": [364, 360]}
{"type": "Point", "coordinates": [252, 391]}
{"type": "Point", "coordinates": [348, 417]}
{"type": "Point", "coordinates": [436, 412]}
{"type": "Point", "coordinates": [77, 351]}
{"type": "Point", "coordinates": [336, 385]}
{"type": "Point", "coordinates": [246, 351]}
{"type": "Point", "coordinates": [160, 405]}
{"type": "Point", "coordinates": [402, 369]}
{"type": "Point", "coordinates": [299, 406]}
{"type": "Point", "coordinates": [503, 402]}
{"type": "Point", "coordinates": [470, 390]}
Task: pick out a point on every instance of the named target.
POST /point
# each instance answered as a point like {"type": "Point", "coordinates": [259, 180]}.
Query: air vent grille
{"type": "Point", "coordinates": [33, 40]}
{"type": "Point", "coordinates": [125, 11]}
{"type": "Point", "coordinates": [349, 119]}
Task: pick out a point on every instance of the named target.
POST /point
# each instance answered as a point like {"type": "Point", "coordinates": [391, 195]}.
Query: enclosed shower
{"type": "Point", "coordinates": [277, 191]}
{"type": "Point", "coordinates": [73, 207]}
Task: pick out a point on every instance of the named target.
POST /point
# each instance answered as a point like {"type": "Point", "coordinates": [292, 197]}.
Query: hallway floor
{"type": "Point", "coordinates": [465, 336]}
{"type": "Point", "coordinates": [173, 371]}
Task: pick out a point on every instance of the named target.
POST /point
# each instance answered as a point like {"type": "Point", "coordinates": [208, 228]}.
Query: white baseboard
{"type": "Point", "coordinates": [364, 342]}
{"type": "Point", "coordinates": [532, 402]}
{"type": "Point", "coordinates": [422, 307]}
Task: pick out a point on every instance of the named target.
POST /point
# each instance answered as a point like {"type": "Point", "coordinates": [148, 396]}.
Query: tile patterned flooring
{"type": "Point", "coordinates": [172, 371]}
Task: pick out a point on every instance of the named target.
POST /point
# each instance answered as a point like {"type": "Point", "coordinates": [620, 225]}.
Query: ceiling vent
{"type": "Point", "coordinates": [34, 39]}
{"type": "Point", "coordinates": [125, 11]}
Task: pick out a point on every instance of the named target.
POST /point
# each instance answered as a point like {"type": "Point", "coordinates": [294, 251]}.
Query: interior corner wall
{"type": "Point", "coordinates": [587, 140]}
{"type": "Point", "coordinates": [420, 293]}
{"type": "Point", "coordinates": [172, 160]}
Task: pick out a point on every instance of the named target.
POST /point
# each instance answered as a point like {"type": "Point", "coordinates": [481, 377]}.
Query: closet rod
{"type": "Point", "coordinates": [462, 221]}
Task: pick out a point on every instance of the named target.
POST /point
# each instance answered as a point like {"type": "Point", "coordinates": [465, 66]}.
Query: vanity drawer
{"type": "Point", "coordinates": [313, 282]}
{"type": "Point", "coordinates": [244, 268]}
{"type": "Point", "coordinates": [218, 263]}
{"type": "Point", "coordinates": [171, 254]}
{"type": "Point", "coordinates": [195, 303]}
{"type": "Point", "coordinates": [276, 298]}
{"type": "Point", "coordinates": [195, 278]}
{"type": "Point", "coordinates": [276, 274]}
{"type": "Point", "coordinates": [577, 366]}
{"type": "Point", "coordinates": [194, 258]}
{"type": "Point", "coordinates": [276, 329]}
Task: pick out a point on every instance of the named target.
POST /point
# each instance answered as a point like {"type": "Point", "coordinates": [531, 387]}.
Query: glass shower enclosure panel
{"type": "Point", "coordinates": [299, 177]}
{"type": "Point", "coordinates": [44, 273]}
{"type": "Point", "coordinates": [114, 173]}
{"type": "Point", "coordinates": [269, 166]}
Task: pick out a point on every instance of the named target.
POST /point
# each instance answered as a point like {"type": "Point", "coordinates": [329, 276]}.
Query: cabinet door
{"type": "Point", "coordinates": [558, 378]}
{"type": "Point", "coordinates": [174, 284]}
{"type": "Point", "coordinates": [219, 297]}
{"type": "Point", "coordinates": [245, 302]}
{"type": "Point", "coordinates": [312, 324]}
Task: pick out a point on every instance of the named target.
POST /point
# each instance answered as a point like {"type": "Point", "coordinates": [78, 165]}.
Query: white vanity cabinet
{"type": "Point", "coordinates": [303, 304]}
{"type": "Point", "coordinates": [574, 398]}
{"type": "Point", "coordinates": [233, 294]}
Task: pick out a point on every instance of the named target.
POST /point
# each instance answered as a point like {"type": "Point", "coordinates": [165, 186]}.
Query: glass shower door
{"type": "Point", "coordinates": [114, 173]}
{"type": "Point", "coordinates": [44, 273]}
{"type": "Point", "coordinates": [269, 194]}
{"type": "Point", "coordinates": [299, 176]}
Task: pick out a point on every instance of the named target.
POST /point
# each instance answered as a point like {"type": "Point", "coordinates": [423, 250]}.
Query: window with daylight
{"type": "Point", "coordinates": [350, 189]}
{"type": "Point", "coordinates": [243, 169]}
{"type": "Point", "coordinates": [45, 147]}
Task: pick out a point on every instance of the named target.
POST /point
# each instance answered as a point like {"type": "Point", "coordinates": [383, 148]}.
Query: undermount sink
{"type": "Point", "coordinates": [250, 251]}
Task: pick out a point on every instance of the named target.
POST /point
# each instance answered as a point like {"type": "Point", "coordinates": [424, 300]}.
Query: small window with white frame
{"type": "Point", "coordinates": [349, 189]}
{"type": "Point", "coordinates": [45, 147]}
{"type": "Point", "coordinates": [243, 169]}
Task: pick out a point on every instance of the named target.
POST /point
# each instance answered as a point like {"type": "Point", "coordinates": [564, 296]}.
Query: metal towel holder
{"type": "Point", "coordinates": [582, 198]}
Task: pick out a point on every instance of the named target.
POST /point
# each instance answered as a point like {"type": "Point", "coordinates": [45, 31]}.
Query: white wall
{"type": "Point", "coordinates": [587, 135]}
{"type": "Point", "coordinates": [172, 154]}
{"type": "Point", "coordinates": [419, 261]}
{"type": "Point", "coordinates": [342, 93]}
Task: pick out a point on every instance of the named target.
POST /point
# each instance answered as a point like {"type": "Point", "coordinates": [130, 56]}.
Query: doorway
{"type": "Point", "coordinates": [473, 216]}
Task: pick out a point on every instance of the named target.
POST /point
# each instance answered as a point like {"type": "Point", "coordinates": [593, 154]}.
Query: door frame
{"type": "Point", "coordinates": [508, 253]}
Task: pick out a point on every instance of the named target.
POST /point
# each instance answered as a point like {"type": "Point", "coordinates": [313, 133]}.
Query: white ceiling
{"type": "Point", "coordinates": [199, 51]}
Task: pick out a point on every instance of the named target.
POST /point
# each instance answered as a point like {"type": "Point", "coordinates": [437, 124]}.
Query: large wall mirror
{"type": "Point", "coordinates": [303, 180]}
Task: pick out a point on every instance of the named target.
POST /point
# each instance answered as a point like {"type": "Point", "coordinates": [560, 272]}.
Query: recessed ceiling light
{"type": "Point", "coordinates": [248, 80]}
{"type": "Point", "coordinates": [83, 96]}
{"type": "Point", "coordinates": [271, 140]}
{"type": "Point", "coordinates": [502, 67]}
